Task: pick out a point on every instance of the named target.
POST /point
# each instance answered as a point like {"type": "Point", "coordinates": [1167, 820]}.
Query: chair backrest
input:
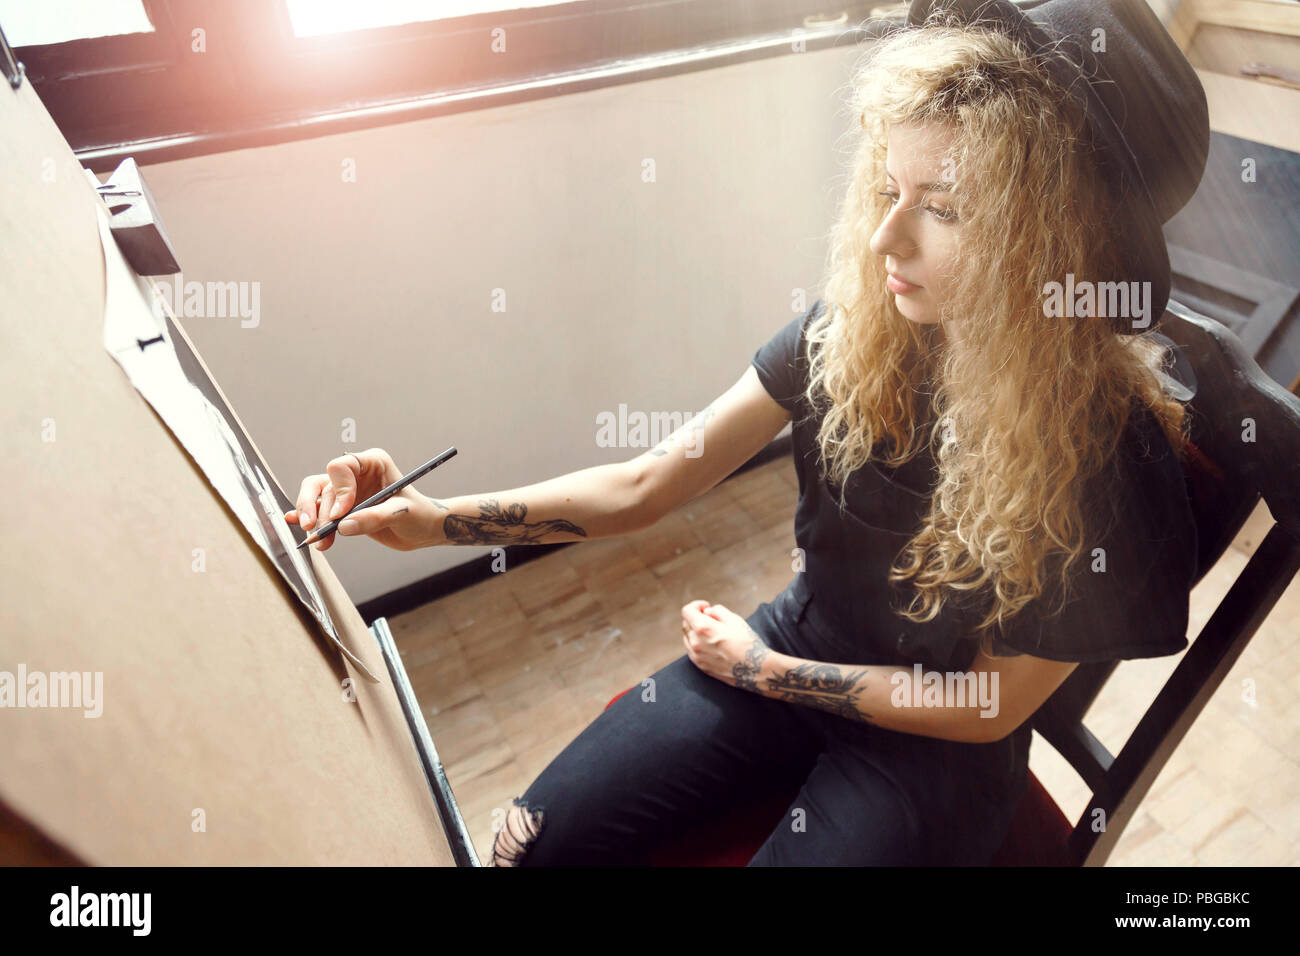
{"type": "Point", "coordinates": [1245, 444]}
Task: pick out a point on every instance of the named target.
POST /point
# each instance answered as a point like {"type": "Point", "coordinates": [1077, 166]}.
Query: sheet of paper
{"type": "Point", "coordinates": [139, 334]}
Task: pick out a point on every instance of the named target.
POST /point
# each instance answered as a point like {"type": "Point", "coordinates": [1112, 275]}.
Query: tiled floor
{"type": "Point", "coordinates": [512, 669]}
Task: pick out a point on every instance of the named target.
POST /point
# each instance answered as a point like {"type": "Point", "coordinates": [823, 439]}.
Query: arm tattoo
{"type": "Point", "coordinates": [822, 686]}
{"type": "Point", "coordinates": [495, 525]}
{"type": "Point", "coordinates": [746, 672]}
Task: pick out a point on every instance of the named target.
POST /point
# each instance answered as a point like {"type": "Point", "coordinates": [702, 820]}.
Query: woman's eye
{"type": "Point", "coordinates": [943, 215]}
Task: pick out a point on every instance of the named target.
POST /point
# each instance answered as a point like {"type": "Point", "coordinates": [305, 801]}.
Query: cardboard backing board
{"type": "Point", "coordinates": [222, 701]}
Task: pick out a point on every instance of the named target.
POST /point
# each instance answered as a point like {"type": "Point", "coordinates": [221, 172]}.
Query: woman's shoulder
{"type": "Point", "coordinates": [782, 362]}
{"type": "Point", "coordinates": [1139, 502]}
{"type": "Point", "coordinates": [1145, 469]}
{"type": "Point", "coordinates": [1144, 439]}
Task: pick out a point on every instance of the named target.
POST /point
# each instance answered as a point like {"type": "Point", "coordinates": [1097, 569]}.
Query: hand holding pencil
{"type": "Point", "coordinates": [366, 493]}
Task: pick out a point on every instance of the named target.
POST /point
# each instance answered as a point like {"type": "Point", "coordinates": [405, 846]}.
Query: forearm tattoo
{"type": "Point", "coordinates": [822, 686]}
{"type": "Point", "coordinates": [746, 672]}
{"type": "Point", "coordinates": [495, 525]}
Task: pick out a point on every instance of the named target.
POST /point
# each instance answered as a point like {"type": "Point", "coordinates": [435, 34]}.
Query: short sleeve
{"type": "Point", "coordinates": [1131, 584]}
{"type": "Point", "coordinates": [780, 363]}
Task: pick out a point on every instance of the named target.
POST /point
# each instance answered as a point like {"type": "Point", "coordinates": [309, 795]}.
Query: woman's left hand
{"type": "Point", "coordinates": [723, 645]}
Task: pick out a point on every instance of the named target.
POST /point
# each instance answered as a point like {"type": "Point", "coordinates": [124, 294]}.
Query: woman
{"type": "Point", "coordinates": [990, 490]}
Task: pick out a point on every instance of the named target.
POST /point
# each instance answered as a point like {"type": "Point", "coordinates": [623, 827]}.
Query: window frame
{"type": "Point", "coordinates": [148, 95]}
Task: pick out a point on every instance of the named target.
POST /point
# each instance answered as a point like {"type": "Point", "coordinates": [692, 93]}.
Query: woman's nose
{"type": "Point", "coordinates": [892, 237]}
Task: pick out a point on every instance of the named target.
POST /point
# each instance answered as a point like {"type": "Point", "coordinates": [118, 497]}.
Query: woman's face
{"type": "Point", "coordinates": [918, 237]}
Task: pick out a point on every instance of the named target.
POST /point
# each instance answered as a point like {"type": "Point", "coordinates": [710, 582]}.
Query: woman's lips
{"type": "Point", "coordinates": [899, 286]}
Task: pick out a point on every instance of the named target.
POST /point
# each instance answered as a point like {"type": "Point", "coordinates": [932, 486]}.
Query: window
{"type": "Point", "coordinates": [317, 17]}
{"type": "Point", "coordinates": [163, 79]}
{"type": "Point", "coordinates": [32, 23]}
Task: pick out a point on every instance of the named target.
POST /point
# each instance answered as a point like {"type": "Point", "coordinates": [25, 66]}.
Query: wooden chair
{"type": "Point", "coordinates": [1225, 476]}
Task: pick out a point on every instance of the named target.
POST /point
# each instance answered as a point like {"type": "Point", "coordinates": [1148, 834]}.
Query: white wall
{"type": "Point", "coordinates": [376, 295]}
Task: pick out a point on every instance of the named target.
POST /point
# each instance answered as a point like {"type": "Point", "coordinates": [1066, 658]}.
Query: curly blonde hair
{"type": "Point", "coordinates": [1027, 406]}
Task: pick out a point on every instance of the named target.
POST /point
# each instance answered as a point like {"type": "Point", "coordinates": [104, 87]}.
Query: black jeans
{"type": "Point", "coordinates": [683, 747]}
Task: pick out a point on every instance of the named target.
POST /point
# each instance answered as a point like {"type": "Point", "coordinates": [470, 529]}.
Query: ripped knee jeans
{"type": "Point", "coordinates": [517, 835]}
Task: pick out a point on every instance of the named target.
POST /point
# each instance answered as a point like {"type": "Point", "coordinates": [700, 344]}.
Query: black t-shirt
{"type": "Point", "coordinates": [1133, 605]}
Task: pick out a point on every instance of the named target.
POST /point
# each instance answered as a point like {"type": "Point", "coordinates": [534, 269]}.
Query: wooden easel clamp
{"type": "Point", "coordinates": [136, 223]}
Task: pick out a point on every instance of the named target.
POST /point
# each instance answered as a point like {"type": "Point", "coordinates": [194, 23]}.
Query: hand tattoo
{"type": "Point", "coordinates": [746, 672]}
{"type": "Point", "coordinates": [822, 686]}
{"type": "Point", "coordinates": [497, 526]}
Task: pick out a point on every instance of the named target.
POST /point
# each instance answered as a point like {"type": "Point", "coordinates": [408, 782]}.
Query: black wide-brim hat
{"type": "Point", "coordinates": [1143, 102]}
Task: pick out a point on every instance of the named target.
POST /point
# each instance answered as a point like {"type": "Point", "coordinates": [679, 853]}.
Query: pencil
{"type": "Point", "coordinates": [327, 529]}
